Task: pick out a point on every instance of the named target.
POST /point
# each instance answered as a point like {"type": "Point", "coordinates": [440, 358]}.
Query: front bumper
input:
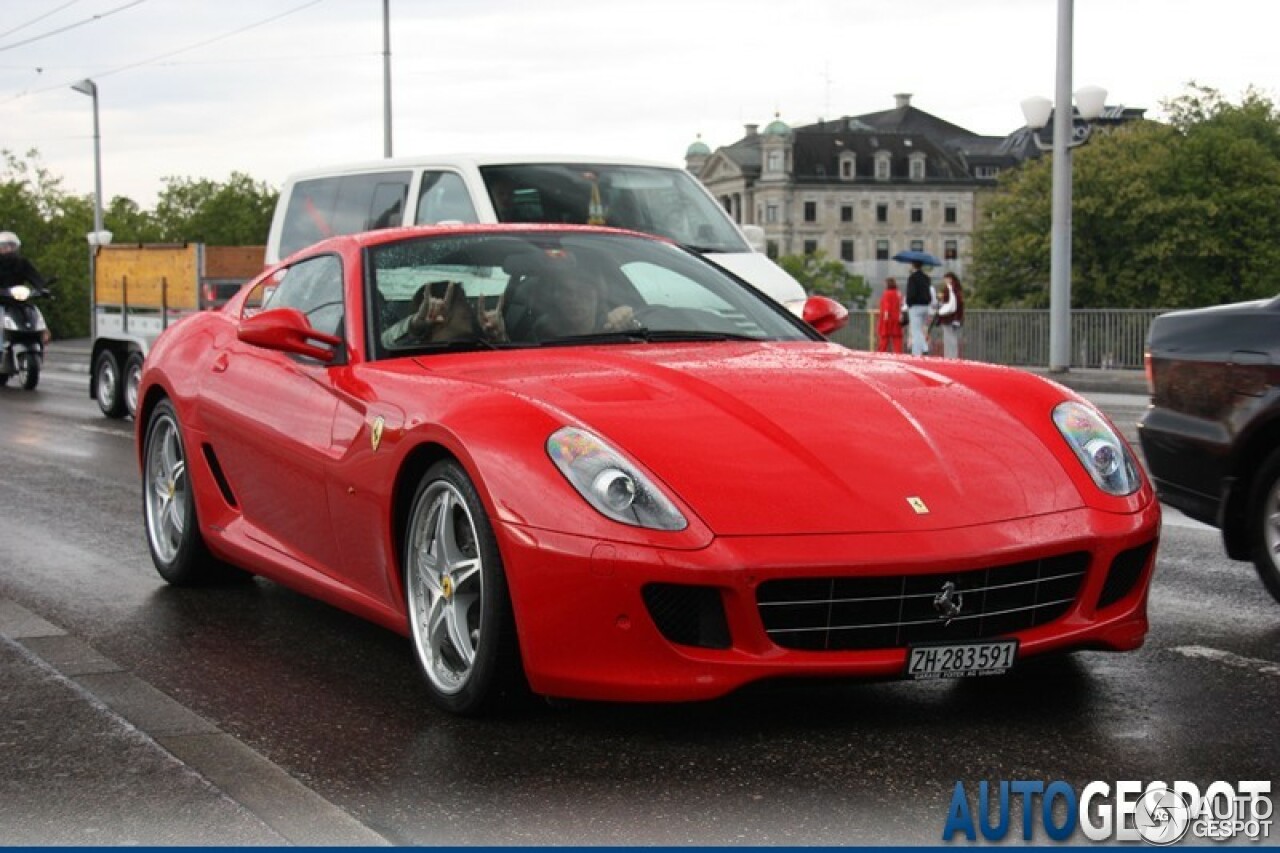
{"type": "Point", "coordinates": [587, 631]}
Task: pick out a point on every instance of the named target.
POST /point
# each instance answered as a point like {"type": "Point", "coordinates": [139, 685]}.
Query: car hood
{"type": "Point", "coordinates": [797, 438]}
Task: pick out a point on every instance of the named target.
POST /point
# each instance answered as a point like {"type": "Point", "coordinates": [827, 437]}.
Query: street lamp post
{"type": "Point", "coordinates": [1090, 101]}
{"type": "Point", "coordinates": [99, 235]}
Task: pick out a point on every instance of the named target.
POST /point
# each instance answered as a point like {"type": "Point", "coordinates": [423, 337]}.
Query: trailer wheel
{"type": "Point", "coordinates": [110, 389]}
{"type": "Point", "coordinates": [132, 379]}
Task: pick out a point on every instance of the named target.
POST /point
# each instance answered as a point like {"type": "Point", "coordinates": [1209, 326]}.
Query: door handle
{"type": "Point", "coordinates": [220, 363]}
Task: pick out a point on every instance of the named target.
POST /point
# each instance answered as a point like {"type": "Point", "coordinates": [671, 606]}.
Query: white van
{"type": "Point", "coordinates": [655, 198]}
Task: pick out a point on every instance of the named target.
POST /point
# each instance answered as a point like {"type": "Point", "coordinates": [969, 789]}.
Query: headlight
{"type": "Point", "coordinates": [610, 483]}
{"type": "Point", "coordinates": [1099, 449]}
{"type": "Point", "coordinates": [20, 292]}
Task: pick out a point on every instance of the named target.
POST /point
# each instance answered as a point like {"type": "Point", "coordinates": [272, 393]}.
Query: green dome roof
{"type": "Point", "coordinates": [777, 127]}
{"type": "Point", "coordinates": [698, 148]}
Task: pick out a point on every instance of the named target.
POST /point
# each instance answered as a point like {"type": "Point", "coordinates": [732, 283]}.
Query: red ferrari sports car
{"type": "Point", "coordinates": [589, 463]}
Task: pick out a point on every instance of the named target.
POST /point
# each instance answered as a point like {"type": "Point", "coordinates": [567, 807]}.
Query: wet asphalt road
{"type": "Point", "coordinates": [336, 705]}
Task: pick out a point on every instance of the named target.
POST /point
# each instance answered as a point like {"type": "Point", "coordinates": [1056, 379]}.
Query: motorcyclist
{"type": "Point", "coordinates": [14, 268]}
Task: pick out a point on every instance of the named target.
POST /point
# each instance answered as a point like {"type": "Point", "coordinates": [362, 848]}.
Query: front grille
{"type": "Point", "coordinates": [853, 613]}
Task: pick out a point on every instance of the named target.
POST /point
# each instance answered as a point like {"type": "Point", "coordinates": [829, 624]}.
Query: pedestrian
{"type": "Point", "coordinates": [951, 315]}
{"type": "Point", "coordinates": [919, 298]}
{"type": "Point", "coordinates": [889, 327]}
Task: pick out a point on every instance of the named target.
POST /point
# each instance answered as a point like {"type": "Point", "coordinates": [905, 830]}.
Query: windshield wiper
{"type": "Point", "coordinates": [645, 335]}
{"type": "Point", "coordinates": [456, 345]}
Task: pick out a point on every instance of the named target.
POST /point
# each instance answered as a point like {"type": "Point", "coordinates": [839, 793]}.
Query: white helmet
{"type": "Point", "coordinates": [11, 239]}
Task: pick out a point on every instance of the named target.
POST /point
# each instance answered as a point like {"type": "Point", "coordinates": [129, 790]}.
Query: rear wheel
{"type": "Point", "coordinates": [456, 593]}
{"type": "Point", "coordinates": [169, 510]}
{"type": "Point", "coordinates": [132, 379]}
{"type": "Point", "coordinates": [1264, 509]}
{"type": "Point", "coordinates": [108, 388]}
{"type": "Point", "coordinates": [28, 371]}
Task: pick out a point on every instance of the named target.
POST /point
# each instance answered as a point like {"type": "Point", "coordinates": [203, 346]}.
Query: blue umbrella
{"type": "Point", "coordinates": [911, 256]}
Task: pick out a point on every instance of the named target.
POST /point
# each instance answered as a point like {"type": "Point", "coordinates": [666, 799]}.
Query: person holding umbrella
{"type": "Point", "coordinates": [919, 298]}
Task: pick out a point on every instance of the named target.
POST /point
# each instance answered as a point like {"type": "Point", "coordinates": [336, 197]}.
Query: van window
{"type": "Point", "coordinates": [666, 202]}
{"type": "Point", "coordinates": [444, 198]}
{"type": "Point", "coordinates": [325, 207]}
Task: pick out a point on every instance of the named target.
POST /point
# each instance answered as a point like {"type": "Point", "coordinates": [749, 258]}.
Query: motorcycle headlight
{"type": "Point", "coordinates": [20, 292]}
{"type": "Point", "coordinates": [1102, 452]}
{"type": "Point", "coordinates": [611, 484]}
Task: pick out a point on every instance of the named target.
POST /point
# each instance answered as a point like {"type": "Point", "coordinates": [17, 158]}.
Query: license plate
{"type": "Point", "coordinates": [961, 660]}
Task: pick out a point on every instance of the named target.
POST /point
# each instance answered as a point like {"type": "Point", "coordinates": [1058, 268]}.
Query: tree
{"type": "Point", "coordinates": [820, 274]}
{"type": "Point", "coordinates": [52, 226]}
{"type": "Point", "coordinates": [1164, 215]}
{"type": "Point", "coordinates": [235, 213]}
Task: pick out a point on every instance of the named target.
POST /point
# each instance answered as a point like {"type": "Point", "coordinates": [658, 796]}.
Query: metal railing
{"type": "Point", "coordinates": [1109, 338]}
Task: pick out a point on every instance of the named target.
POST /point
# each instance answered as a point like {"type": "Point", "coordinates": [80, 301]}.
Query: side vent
{"type": "Point", "coordinates": [211, 459]}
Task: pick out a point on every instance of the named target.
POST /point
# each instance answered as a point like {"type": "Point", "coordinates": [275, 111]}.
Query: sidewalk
{"type": "Point", "coordinates": [90, 754]}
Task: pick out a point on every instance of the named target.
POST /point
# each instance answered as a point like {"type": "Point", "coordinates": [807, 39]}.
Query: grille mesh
{"type": "Point", "coordinates": [854, 613]}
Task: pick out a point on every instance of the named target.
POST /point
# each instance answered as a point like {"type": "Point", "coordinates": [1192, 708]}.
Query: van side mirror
{"type": "Point", "coordinates": [825, 314]}
{"type": "Point", "coordinates": [287, 330]}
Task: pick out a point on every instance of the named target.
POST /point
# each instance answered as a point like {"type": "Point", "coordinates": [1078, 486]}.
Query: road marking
{"type": "Point", "coordinates": [107, 431]}
{"type": "Point", "coordinates": [1173, 518]}
{"type": "Point", "coordinates": [1263, 667]}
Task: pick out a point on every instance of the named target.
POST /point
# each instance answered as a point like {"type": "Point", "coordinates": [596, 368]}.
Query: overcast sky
{"type": "Point", "coordinates": [196, 88]}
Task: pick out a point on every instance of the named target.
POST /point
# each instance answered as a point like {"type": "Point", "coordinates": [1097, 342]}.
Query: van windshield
{"type": "Point", "coordinates": [666, 202]}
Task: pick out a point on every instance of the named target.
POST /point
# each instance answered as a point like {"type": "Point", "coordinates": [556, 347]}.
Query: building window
{"type": "Point", "coordinates": [949, 214]}
{"type": "Point", "coordinates": [771, 249]}
{"type": "Point", "coordinates": [917, 245]}
{"type": "Point", "coordinates": [917, 167]}
{"type": "Point", "coordinates": [882, 250]}
{"type": "Point", "coordinates": [882, 212]}
{"type": "Point", "coordinates": [810, 247]}
{"type": "Point", "coordinates": [810, 211]}
{"type": "Point", "coordinates": [846, 213]}
{"type": "Point", "coordinates": [986, 171]}
{"type": "Point", "coordinates": [917, 214]}
{"type": "Point", "coordinates": [882, 166]}
{"type": "Point", "coordinates": [774, 163]}
{"type": "Point", "coordinates": [846, 250]}
{"type": "Point", "coordinates": [950, 250]}
{"type": "Point", "coordinates": [771, 213]}
{"type": "Point", "coordinates": [848, 166]}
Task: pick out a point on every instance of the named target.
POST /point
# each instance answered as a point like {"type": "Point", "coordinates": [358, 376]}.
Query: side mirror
{"type": "Point", "coordinates": [287, 330]}
{"type": "Point", "coordinates": [825, 314]}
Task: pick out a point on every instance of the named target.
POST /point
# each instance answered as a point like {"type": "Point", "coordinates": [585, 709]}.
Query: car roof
{"type": "Point", "coordinates": [365, 239]}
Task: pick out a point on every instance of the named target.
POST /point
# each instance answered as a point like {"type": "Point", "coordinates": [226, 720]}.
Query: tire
{"type": "Point", "coordinates": [132, 379]}
{"type": "Point", "coordinates": [108, 389]}
{"type": "Point", "coordinates": [1264, 514]}
{"type": "Point", "coordinates": [28, 371]}
{"type": "Point", "coordinates": [456, 596]}
{"type": "Point", "coordinates": [168, 508]}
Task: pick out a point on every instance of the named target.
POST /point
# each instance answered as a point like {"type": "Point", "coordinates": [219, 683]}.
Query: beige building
{"type": "Point", "coordinates": [859, 188]}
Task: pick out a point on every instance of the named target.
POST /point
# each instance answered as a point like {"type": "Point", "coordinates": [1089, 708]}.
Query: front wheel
{"type": "Point", "coordinates": [107, 387]}
{"type": "Point", "coordinates": [29, 370]}
{"type": "Point", "coordinates": [169, 509]}
{"type": "Point", "coordinates": [1264, 511]}
{"type": "Point", "coordinates": [456, 595]}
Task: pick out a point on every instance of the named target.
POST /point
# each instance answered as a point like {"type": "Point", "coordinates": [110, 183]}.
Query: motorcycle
{"type": "Point", "coordinates": [25, 335]}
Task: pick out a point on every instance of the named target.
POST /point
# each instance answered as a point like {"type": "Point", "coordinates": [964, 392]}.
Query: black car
{"type": "Point", "coordinates": [1212, 434]}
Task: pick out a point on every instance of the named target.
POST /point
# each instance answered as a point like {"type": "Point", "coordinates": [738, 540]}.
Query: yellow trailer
{"type": "Point", "coordinates": [139, 290]}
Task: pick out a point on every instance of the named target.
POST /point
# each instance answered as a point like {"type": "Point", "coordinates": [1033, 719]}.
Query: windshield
{"type": "Point", "coordinates": [667, 202]}
{"type": "Point", "coordinates": [546, 288]}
